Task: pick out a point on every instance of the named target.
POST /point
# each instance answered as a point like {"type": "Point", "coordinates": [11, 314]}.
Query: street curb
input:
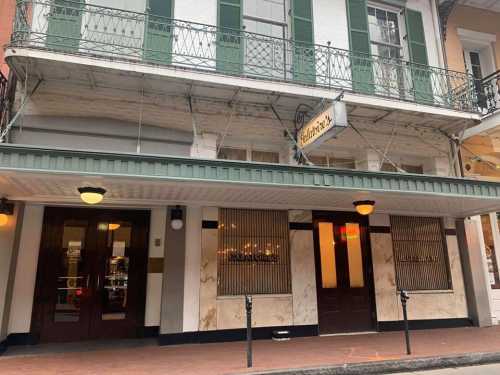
{"type": "Point", "coordinates": [392, 366]}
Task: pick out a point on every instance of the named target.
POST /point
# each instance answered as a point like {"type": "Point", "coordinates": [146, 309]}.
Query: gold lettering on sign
{"type": "Point", "coordinates": [317, 128]}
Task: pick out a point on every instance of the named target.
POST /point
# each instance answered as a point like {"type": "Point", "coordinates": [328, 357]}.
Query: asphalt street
{"type": "Point", "coordinates": [475, 370]}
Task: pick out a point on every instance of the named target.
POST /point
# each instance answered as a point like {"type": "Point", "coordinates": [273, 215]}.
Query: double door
{"type": "Point", "coordinates": [91, 275]}
{"type": "Point", "coordinates": [343, 273]}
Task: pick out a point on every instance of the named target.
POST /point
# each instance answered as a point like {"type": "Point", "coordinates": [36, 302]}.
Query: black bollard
{"type": "Point", "coordinates": [404, 298]}
{"type": "Point", "coordinates": [248, 306]}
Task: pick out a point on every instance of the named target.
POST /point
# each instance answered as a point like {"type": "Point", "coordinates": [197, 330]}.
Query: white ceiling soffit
{"type": "Point", "coordinates": [287, 95]}
{"type": "Point", "coordinates": [125, 192]}
{"type": "Point", "coordinates": [493, 5]}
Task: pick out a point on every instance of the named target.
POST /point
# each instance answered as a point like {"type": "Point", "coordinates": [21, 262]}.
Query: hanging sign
{"type": "Point", "coordinates": [325, 125]}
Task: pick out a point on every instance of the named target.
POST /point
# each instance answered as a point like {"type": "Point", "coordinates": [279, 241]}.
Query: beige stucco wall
{"type": "Point", "coordinates": [473, 19]}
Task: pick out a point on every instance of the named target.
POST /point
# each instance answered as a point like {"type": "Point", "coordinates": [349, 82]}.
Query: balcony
{"type": "Point", "coordinates": [489, 93]}
{"type": "Point", "coordinates": [78, 29]}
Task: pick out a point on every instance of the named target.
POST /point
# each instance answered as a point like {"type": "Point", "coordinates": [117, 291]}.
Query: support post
{"type": "Point", "coordinates": [248, 306]}
{"type": "Point", "coordinates": [404, 299]}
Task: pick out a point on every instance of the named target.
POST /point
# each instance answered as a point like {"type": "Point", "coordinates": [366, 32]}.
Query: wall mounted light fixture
{"type": "Point", "coordinates": [92, 195]}
{"type": "Point", "coordinates": [6, 210]}
{"type": "Point", "coordinates": [364, 207]}
{"type": "Point", "coordinates": [176, 221]}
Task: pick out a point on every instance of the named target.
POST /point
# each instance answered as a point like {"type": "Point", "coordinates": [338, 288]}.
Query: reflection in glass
{"type": "Point", "coordinates": [115, 288]}
{"type": "Point", "coordinates": [489, 246]}
{"type": "Point", "coordinates": [70, 281]}
{"type": "Point", "coordinates": [386, 43]}
{"type": "Point", "coordinates": [114, 304]}
{"type": "Point", "coordinates": [327, 253]}
{"type": "Point", "coordinates": [354, 255]}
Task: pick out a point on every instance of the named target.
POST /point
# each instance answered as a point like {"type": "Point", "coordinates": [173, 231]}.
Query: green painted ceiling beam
{"type": "Point", "coordinates": [59, 161]}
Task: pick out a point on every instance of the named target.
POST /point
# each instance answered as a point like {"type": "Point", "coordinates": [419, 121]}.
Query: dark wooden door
{"type": "Point", "coordinates": [343, 273]}
{"type": "Point", "coordinates": [91, 274]}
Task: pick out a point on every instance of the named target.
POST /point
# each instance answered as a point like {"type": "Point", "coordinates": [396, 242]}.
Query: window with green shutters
{"type": "Point", "coordinates": [64, 25]}
{"type": "Point", "coordinates": [420, 71]}
{"type": "Point", "coordinates": [159, 31]}
{"type": "Point", "coordinates": [376, 67]}
{"type": "Point", "coordinates": [229, 40]}
{"type": "Point", "coordinates": [359, 41]}
{"type": "Point", "coordinates": [304, 66]}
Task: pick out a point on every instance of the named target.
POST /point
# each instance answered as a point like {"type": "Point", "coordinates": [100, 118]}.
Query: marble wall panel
{"type": "Point", "coordinates": [300, 216]}
{"type": "Point", "coordinates": [305, 308]}
{"type": "Point", "coordinates": [208, 280]}
{"type": "Point", "coordinates": [384, 276]}
{"type": "Point", "coordinates": [267, 311]}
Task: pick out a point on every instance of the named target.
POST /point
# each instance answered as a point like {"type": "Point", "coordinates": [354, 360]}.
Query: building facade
{"type": "Point", "coordinates": [192, 126]}
{"type": "Point", "coordinates": [472, 45]}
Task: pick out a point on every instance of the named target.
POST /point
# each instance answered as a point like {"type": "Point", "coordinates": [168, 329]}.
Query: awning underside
{"type": "Point", "coordinates": [53, 176]}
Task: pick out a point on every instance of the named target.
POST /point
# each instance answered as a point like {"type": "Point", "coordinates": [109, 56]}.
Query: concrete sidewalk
{"type": "Point", "coordinates": [227, 358]}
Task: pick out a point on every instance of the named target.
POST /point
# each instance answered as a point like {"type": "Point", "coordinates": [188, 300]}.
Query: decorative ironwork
{"type": "Point", "coordinates": [420, 256]}
{"type": "Point", "coordinates": [79, 28]}
{"type": "Point", "coordinates": [489, 93]}
{"type": "Point", "coordinates": [3, 100]}
{"type": "Point", "coordinates": [253, 255]}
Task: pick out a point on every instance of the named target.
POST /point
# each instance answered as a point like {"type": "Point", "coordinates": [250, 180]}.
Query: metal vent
{"type": "Point", "coordinates": [253, 255]}
{"type": "Point", "coordinates": [420, 253]}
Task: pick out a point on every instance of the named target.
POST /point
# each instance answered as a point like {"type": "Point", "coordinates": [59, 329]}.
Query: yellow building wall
{"type": "Point", "coordinates": [474, 19]}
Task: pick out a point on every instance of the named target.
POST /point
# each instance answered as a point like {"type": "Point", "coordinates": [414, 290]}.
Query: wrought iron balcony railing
{"type": "Point", "coordinates": [72, 26]}
{"type": "Point", "coordinates": [488, 93]}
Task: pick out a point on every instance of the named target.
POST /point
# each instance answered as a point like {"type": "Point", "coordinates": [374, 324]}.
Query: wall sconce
{"type": "Point", "coordinates": [91, 195]}
{"type": "Point", "coordinates": [364, 207]}
{"type": "Point", "coordinates": [6, 210]}
{"type": "Point", "coordinates": [176, 218]}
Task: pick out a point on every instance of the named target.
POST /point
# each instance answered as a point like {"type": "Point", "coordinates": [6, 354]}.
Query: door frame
{"type": "Point", "coordinates": [345, 216]}
{"type": "Point", "coordinates": [36, 325]}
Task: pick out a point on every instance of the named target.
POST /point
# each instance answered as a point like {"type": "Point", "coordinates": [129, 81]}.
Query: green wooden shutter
{"type": "Point", "coordinates": [229, 40]}
{"type": "Point", "coordinates": [64, 25]}
{"type": "Point", "coordinates": [420, 71]}
{"type": "Point", "coordinates": [304, 67]}
{"type": "Point", "coordinates": [359, 41]}
{"type": "Point", "coordinates": [159, 30]}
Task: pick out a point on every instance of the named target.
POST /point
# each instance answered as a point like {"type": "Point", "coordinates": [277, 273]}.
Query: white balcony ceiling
{"type": "Point", "coordinates": [493, 5]}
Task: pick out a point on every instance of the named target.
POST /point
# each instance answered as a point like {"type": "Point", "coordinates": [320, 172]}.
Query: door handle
{"type": "Point", "coordinates": [98, 283]}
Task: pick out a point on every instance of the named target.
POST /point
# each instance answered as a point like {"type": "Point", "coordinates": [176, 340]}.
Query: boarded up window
{"type": "Point", "coordinates": [253, 255]}
{"type": "Point", "coordinates": [420, 253]}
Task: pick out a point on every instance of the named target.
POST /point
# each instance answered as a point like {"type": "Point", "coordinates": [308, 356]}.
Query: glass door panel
{"type": "Point", "coordinates": [327, 255]}
{"type": "Point", "coordinates": [115, 282]}
{"type": "Point", "coordinates": [91, 274]}
{"type": "Point", "coordinates": [354, 256]}
{"type": "Point", "coordinates": [72, 275]}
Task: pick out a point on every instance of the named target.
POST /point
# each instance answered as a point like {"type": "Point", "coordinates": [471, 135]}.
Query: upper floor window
{"type": "Point", "coordinates": [384, 33]}
{"type": "Point", "coordinates": [267, 17]}
{"type": "Point", "coordinates": [265, 157]}
{"type": "Point", "coordinates": [230, 153]}
{"type": "Point", "coordinates": [332, 162]}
